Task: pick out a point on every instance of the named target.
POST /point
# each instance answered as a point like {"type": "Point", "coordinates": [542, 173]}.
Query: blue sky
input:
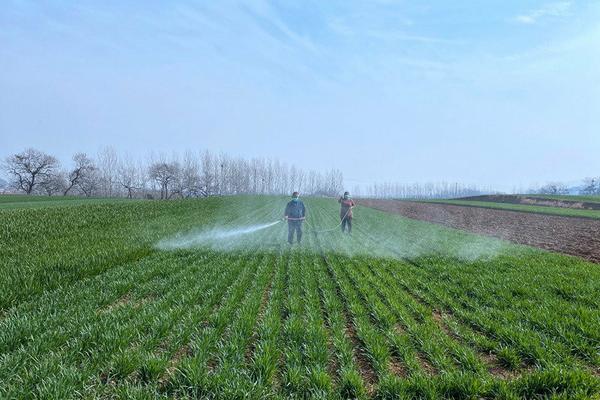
{"type": "Point", "coordinates": [501, 93]}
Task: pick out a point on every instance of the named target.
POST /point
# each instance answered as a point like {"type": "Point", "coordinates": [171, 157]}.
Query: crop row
{"type": "Point", "coordinates": [396, 310]}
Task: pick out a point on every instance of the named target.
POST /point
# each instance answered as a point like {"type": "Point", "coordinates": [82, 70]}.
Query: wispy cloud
{"type": "Point", "coordinates": [267, 20]}
{"type": "Point", "coordinates": [400, 36]}
{"type": "Point", "coordinates": [556, 9]}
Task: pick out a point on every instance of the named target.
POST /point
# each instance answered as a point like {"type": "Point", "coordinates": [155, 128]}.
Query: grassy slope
{"type": "Point", "coordinates": [22, 198]}
{"type": "Point", "coordinates": [23, 201]}
{"type": "Point", "coordinates": [402, 307]}
{"type": "Point", "coordinates": [566, 212]}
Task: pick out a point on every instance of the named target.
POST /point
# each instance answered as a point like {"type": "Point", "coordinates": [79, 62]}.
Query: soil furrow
{"type": "Point", "coordinates": [569, 235]}
{"type": "Point", "coordinates": [365, 368]}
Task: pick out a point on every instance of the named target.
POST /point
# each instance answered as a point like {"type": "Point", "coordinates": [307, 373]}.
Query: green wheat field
{"type": "Point", "coordinates": [150, 299]}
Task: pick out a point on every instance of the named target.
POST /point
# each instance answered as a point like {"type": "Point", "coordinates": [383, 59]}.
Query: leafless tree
{"type": "Point", "coordinates": [30, 168]}
{"type": "Point", "coordinates": [90, 184]}
{"type": "Point", "coordinates": [335, 180]}
{"type": "Point", "coordinates": [553, 188]}
{"type": "Point", "coordinates": [300, 177]}
{"type": "Point", "coordinates": [208, 180]}
{"type": "Point", "coordinates": [420, 190]}
{"type": "Point", "coordinates": [130, 176]}
{"type": "Point", "coordinates": [108, 165]}
{"type": "Point", "coordinates": [164, 174]}
{"type": "Point", "coordinates": [189, 182]}
{"type": "Point", "coordinates": [54, 184]}
{"type": "Point", "coordinates": [269, 178]}
{"type": "Point", "coordinates": [83, 170]}
{"type": "Point", "coordinates": [293, 179]}
{"type": "Point", "coordinates": [312, 182]}
{"type": "Point", "coordinates": [3, 185]}
{"type": "Point", "coordinates": [190, 176]}
{"type": "Point", "coordinates": [255, 175]}
{"type": "Point", "coordinates": [591, 186]}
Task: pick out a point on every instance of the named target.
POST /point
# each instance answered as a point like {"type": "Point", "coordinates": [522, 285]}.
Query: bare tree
{"type": "Point", "coordinates": [428, 190]}
{"type": "Point", "coordinates": [189, 183]}
{"type": "Point", "coordinates": [300, 178]}
{"type": "Point", "coordinates": [3, 185]}
{"type": "Point", "coordinates": [269, 177]}
{"type": "Point", "coordinates": [54, 184]}
{"type": "Point", "coordinates": [192, 177]}
{"type": "Point", "coordinates": [293, 179]}
{"type": "Point", "coordinates": [30, 168]}
{"type": "Point", "coordinates": [553, 188]}
{"type": "Point", "coordinates": [164, 174]}
{"type": "Point", "coordinates": [255, 175]}
{"type": "Point", "coordinates": [90, 184]}
{"type": "Point", "coordinates": [336, 182]}
{"type": "Point", "coordinates": [129, 176]}
{"type": "Point", "coordinates": [108, 164]}
{"type": "Point", "coordinates": [84, 168]}
{"type": "Point", "coordinates": [208, 180]}
{"type": "Point", "coordinates": [591, 186]}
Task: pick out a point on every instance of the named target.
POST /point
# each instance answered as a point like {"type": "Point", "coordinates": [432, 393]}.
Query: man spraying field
{"type": "Point", "coordinates": [295, 213]}
{"type": "Point", "coordinates": [347, 204]}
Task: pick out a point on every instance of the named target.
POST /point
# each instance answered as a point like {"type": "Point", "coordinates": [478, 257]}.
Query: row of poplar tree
{"type": "Point", "coordinates": [110, 174]}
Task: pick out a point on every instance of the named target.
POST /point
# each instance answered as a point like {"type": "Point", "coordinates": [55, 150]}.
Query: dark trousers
{"type": "Point", "coordinates": [294, 226]}
{"type": "Point", "coordinates": [347, 222]}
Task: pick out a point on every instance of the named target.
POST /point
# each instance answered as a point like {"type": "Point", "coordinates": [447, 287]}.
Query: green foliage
{"type": "Point", "coordinates": [509, 358]}
{"type": "Point", "coordinates": [403, 309]}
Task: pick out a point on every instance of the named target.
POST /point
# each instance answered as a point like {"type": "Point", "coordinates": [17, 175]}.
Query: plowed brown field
{"type": "Point", "coordinates": [569, 235]}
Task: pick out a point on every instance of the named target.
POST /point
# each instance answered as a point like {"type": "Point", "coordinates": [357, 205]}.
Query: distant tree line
{"type": "Point", "coordinates": [445, 190]}
{"type": "Point", "coordinates": [590, 186]}
{"type": "Point", "coordinates": [420, 190]}
{"type": "Point", "coordinates": [202, 174]}
{"type": "Point", "coordinates": [552, 188]}
{"type": "Point", "coordinates": [110, 174]}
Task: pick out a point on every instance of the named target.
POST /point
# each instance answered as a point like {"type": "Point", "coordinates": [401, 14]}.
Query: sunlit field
{"type": "Point", "coordinates": [93, 307]}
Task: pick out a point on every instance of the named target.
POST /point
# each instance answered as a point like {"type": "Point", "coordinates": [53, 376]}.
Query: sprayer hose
{"type": "Point", "coordinates": [335, 227]}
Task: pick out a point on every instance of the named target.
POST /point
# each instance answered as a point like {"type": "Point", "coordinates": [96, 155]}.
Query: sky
{"type": "Point", "coordinates": [501, 93]}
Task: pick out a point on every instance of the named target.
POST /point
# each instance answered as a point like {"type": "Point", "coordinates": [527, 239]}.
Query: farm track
{"type": "Point", "coordinates": [381, 314]}
{"type": "Point", "coordinates": [570, 235]}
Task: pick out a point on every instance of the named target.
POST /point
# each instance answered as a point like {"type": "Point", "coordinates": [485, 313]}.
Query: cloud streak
{"type": "Point", "coordinates": [556, 10]}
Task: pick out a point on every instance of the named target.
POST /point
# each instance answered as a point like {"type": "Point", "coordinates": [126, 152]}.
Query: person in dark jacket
{"type": "Point", "coordinates": [295, 213]}
{"type": "Point", "coordinates": [346, 205]}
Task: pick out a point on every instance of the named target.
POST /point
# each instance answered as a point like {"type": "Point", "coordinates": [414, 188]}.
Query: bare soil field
{"type": "Point", "coordinates": [570, 235]}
